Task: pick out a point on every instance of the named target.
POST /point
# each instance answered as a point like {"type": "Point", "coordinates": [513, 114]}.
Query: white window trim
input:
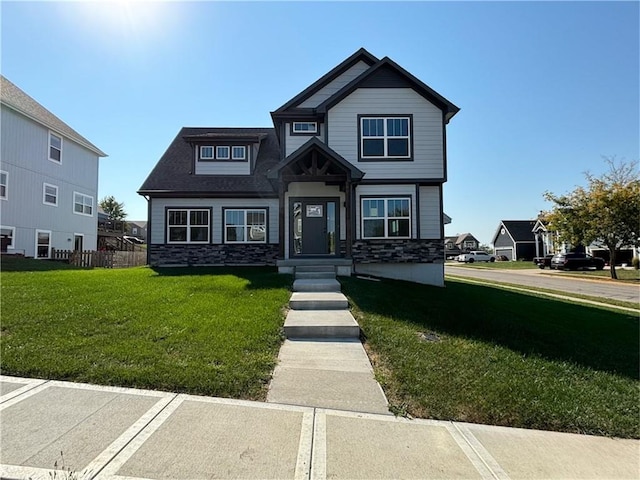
{"type": "Point", "coordinates": [385, 137]}
{"type": "Point", "coordinates": [309, 132]}
{"type": "Point", "coordinates": [221, 157]}
{"type": "Point", "coordinates": [244, 224]}
{"type": "Point", "coordinates": [13, 235]}
{"type": "Point", "coordinates": [74, 240]}
{"type": "Point", "coordinates": [92, 204]}
{"type": "Point", "coordinates": [244, 152]}
{"type": "Point", "coordinates": [188, 226]}
{"type": "Point", "coordinates": [57, 162]}
{"type": "Point", "coordinates": [44, 195]}
{"type": "Point", "coordinates": [36, 250]}
{"type": "Point", "coordinates": [386, 218]}
{"type": "Point", "coordinates": [203, 157]}
{"type": "Point", "coordinates": [6, 186]}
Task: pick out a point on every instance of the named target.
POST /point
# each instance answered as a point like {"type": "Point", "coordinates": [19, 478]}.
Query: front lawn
{"type": "Point", "coordinates": [480, 354]}
{"type": "Point", "coordinates": [201, 331]}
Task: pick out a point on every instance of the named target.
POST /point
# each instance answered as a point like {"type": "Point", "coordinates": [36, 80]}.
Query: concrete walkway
{"type": "Point", "coordinates": [323, 363]}
{"type": "Point", "coordinates": [126, 434]}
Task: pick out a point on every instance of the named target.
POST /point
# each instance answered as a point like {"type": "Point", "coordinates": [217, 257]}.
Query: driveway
{"type": "Point", "coordinates": [551, 280]}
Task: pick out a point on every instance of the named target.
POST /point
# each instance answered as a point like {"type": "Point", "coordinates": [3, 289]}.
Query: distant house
{"type": "Point", "coordinates": [138, 229]}
{"type": "Point", "coordinates": [48, 179]}
{"type": "Point", "coordinates": [350, 175]}
{"type": "Point", "coordinates": [462, 243]}
{"type": "Point", "coordinates": [515, 239]}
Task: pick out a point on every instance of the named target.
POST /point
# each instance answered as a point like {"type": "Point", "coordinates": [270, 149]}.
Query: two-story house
{"type": "Point", "coordinates": [48, 179]}
{"type": "Point", "coordinates": [351, 175]}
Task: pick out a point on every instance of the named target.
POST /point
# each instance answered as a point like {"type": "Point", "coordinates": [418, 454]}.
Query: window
{"type": "Point", "coordinates": [82, 204]}
{"type": "Point", "coordinates": [43, 244]}
{"type": "Point", "coordinates": [55, 148]}
{"type": "Point", "coordinates": [49, 194]}
{"type": "Point", "coordinates": [238, 153]}
{"type": "Point", "coordinates": [222, 153]}
{"type": "Point", "coordinates": [383, 137]}
{"type": "Point", "coordinates": [245, 226]}
{"type": "Point", "coordinates": [206, 153]}
{"type": "Point", "coordinates": [386, 218]}
{"type": "Point", "coordinates": [188, 226]}
{"type": "Point", "coordinates": [7, 234]}
{"type": "Point", "coordinates": [4, 184]}
{"type": "Point", "coordinates": [305, 127]}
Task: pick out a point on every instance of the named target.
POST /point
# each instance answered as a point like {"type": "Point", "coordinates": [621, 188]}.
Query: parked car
{"type": "Point", "coordinates": [542, 262]}
{"type": "Point", "coordinates": [476, 256]}
{"type": "Point", "coordinates": [574, 261]}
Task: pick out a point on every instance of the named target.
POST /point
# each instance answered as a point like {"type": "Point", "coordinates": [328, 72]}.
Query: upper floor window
{"type": "Point", "coordinates": [188, 225]}
{"type": "Point", "coordinates": [305, 128]}
{"type": "Point", "coordinates": [55, 148]}
{"type": "Point", "coordinates": [385, 137]}
{"type": "Point", "coordinates": [4, 184]}
{"type": "Point", "coordinates": [222, 153]}
{"type": "Point", "coordinates": [238, 153]}
{"type": "Point", "coordinates": [386, 218]}
{"type": "Point", "coordinates": [245, 226]}
{"type": "Point", "coordinates": [82, 204]}
{"type": "Point", "coordinates": [50, 194]}
{"type": "Point", "coordinates": [206, 153]}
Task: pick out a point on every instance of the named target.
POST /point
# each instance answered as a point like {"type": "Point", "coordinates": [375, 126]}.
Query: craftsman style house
{"type": "Point", "coordinates": [350, 175]}
{"type": "Point", "coordinates": [48, 179]}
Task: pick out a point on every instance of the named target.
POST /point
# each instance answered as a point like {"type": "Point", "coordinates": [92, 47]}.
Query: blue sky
{"type": "Point", "coordinates": [545, 88]}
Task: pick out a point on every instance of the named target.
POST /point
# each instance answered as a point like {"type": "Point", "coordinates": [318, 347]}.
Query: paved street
{"type": "Point", "coordinates": [551, 280]}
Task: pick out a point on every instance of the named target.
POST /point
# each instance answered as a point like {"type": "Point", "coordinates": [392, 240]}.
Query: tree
{"type": "Point", "coordinates": [607, 210]}
{"type": "Point", "coordinates": [114, 209]}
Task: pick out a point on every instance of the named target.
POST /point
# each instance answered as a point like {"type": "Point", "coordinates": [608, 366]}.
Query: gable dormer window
{"type": "Point", "coordinates": [222, 153]}
{"type": "Point", "coordinates": [305, 128]}
{"type": "Point", "coordinates": [206, 153]}
{"type": "Point", "coordinates": [385, 138]}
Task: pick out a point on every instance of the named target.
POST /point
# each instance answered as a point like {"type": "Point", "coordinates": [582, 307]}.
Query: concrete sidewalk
{"type": "Point", "coordinates": [118, 433]}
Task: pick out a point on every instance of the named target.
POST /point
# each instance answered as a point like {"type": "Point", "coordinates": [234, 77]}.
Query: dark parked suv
{"type": "Point", "coordinates": [574, 261]}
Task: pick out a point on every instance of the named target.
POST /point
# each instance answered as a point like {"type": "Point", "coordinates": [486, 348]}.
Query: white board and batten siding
{"type": "Point", "coordinates": [159, 205]}
{"type": "Point", "coordinates": [427, 140]}
{"type": "Point", "coordinates": [24, 150]}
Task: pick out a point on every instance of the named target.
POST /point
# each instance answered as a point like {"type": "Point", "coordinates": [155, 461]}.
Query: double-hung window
{"type": "Point", "coordinates": [4, 184]}
{"type": "Point", "coordinates": [188, 225]}
{"type": "Point", "coordinates": [385, 137]}
{"type": "Point", "coordinates": [49, 194]}
{"type": "Point", "coordinates": [386, 218]}
{"type": "Point", "coordinates": [55, 148]}
{"type": "Point", "coordinates": [82, 204]}
{"type": "Point", "coordinates": [245, 226]}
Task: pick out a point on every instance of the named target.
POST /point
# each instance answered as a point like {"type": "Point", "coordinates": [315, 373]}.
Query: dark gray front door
{"type": "Point", "coordinates": [314, 226]}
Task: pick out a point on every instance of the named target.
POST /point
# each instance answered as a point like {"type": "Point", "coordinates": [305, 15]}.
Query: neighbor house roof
{"type": "Point", "coordinates": [173, 174]}
{"type": "Point", "coordinates": [519, 230]}
{"type": "Point", "coordinates": [16, 99]}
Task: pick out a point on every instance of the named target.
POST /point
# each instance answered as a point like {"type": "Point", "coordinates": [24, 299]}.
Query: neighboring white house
{"type": "Point", "coordinates": [48, 179]}
{"type": "Point", "coordinates": [351, 175]}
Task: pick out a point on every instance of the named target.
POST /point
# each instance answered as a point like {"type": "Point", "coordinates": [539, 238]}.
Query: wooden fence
{"type": "Point", "coordinates": [105, 259]}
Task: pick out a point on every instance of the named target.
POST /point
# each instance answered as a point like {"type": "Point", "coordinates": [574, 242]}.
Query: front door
{"type": "Point", "coordinates": [314, 226]}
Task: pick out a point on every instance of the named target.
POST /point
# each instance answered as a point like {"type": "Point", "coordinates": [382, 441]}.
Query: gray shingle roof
{"type": "Point", "coordinates": [15, 98]}
{"type": "Point", "coordinates": [173, 172]}
{"type": "Point", "coordinates": [520, 230]}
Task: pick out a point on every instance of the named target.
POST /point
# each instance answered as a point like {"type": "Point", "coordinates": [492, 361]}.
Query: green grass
{"type": "Point", "coordinates": [200, 331]}
{"type": "Point", "coordinates": [503, 358]}
{"type": "Point", "coordinates": [624, 275]}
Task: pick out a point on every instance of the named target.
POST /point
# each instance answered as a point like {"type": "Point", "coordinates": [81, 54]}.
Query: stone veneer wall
{"type": "Point", "coordinates": [398, 251]}
{"type": "Point", "coordinates": [224, 254]}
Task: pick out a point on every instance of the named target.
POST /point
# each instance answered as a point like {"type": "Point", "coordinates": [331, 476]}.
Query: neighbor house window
{"type": "Point", "coordinates": [188, 225]}
{"type": "Point", "coordinates": [222, 153]}
{"type": "Point", "coordinates": [55, 148]}
{"type": "Point", "coordinates": [206, 153]}
{"type": "Point", "coordinates": [82, 204]}
{"type": "Point", "coordinates": [8, 235]}
{"type": "Point", "coordinates": [49, 194]}
{"type": "Point", "coordinates": [43, 244]}
{"type": "Point", "coordinates": [385, 137]}
{"type": "Point", "coordinates": [386, 218]}
{"type": "Point", "coordinates": [238, 153]}
{"type": "Point", "coordinates": [4, 184]}
{"type": "Point", "coordinates": [245, 226]}
{"type": "Point", "coordinates": [305, 127]}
